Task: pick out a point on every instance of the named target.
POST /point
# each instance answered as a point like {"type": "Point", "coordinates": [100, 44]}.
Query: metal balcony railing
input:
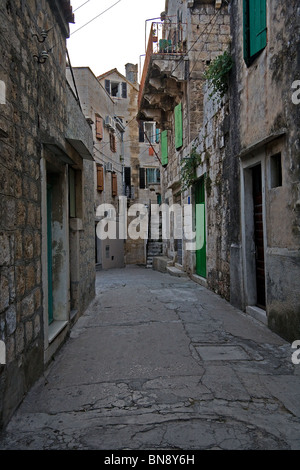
{"type": "Point", "coordinates": [165, 38]}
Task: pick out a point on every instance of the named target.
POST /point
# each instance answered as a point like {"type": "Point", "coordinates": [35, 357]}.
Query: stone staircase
{"type": "Point", "coordinates": [154, 248]}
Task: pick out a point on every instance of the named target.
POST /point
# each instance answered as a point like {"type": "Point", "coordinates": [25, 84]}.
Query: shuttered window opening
{"type": "Point", "coordinates": [178, 126]}
{"type": "Point", "coordinates": [116, 89]}
{"type": "Point", "coordinates": [100, 178]}
{"type": "Point", "coordinates": [114, 185]}
{"type": "Point", "coordinates": [255, 28]}
{"type": "Point", "coordinates": [99, 127]}
{"type": "Point", "coordinates": [164, 148]}
{"type": "Point", "coordinates": [153, 176]}
{"type": "Point", "coordinates": [112, 140]}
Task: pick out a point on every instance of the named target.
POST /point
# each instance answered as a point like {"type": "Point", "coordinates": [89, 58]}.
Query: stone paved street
{"type": "Point", "coordinates": [159, 362]}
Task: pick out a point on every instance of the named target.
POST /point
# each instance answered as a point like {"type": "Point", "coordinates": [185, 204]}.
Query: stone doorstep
{"type": "Point", "coordinates": [257, 313]}
{"type": "Point", "coordinates": [176, 272]}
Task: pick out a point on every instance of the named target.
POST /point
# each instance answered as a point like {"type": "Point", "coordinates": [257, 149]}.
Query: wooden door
{"type": "Point", "coordinates": [200, 228]}
{"type": "Point", "coordinates": [259, 236]}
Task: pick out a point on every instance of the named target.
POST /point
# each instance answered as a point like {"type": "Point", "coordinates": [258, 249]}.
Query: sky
{"type": "Point", "coordinates": [115, 38]}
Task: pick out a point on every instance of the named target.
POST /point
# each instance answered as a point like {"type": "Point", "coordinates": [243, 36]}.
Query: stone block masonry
{"type": "Point", "coordinates": [33, 115]}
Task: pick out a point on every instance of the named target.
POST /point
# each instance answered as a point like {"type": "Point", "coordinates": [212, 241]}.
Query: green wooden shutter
{"type": "Point", "coordinates": [257, 25]}
{"type": "Point", "coordinates": [246, 30]}
{"type": "Point", "coordinates": [164, 148]}
{"type": "Point", "coordinates": [178, 126]}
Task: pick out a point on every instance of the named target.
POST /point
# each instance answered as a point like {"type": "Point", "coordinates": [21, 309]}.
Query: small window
{"type": "Point", "coordinates": [153, 176]}
{"type": "Point", "coordinates": [114, 89]}
{"type": "Point", "coordinates": [276, 170]}
{"type": "Point", "coordinates": [150, 131]}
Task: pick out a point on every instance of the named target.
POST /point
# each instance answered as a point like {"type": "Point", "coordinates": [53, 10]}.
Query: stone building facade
{"type": "Point", "coordinates": [247, 149]}
{"type": "Point", "coordinates": [107, 179]}
{"type": "Point", "coordinates": [264, 140]}
{"type": "Point", "coordinates": [45, 207]}
{"type": "Point", "coordinates": [141, 169]}
{"type": "Point", "coordinates": [192, 34]}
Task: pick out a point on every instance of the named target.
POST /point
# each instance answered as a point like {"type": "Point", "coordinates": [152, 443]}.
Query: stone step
{"type": "Point", "coordinates": [176, 272]}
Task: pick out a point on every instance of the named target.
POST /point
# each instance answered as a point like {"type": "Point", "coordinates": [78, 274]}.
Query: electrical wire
{"type": "Point", "coordinates": [102, 13]}
{"type": "Point", "coordinates": [195, 42]}
{"type": "Point", "coordinates": [82, 5]}
{"type": "Point", "coordinates": [195, 62]}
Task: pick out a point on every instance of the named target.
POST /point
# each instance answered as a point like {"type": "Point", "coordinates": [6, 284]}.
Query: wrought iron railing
{"type": "Point", "coordinates": [165, 38]}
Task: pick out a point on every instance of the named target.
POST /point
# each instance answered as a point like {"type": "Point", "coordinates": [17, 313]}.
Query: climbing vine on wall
{"type": "Point", "coordinates": [217, 75]}
{"type": "Point", "coordinates": [188, 169]}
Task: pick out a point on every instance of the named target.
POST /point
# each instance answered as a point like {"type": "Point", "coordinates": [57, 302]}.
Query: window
{"type": "Point", "coordinates": [178, 126]}
{"type": "Point", "coordinates": [150, 131]}
{"type": "Point", "coordinates": [99, 127]}
{"type": "Point", "coordinates": [100, 178]}
{"type": "Point", "coordinates": [276, 170]}
{"type": "Point", "coordinates": [116, 89]}
{"type": "Point", "coordinates": [153, 176]}
{"type": "Point", "coordinates": [164, 148]}
{"type": "Point", "coordinates": [255, 28]}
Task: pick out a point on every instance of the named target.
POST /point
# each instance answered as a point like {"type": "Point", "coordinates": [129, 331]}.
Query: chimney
{"type": "Point", "coordinates": [132, 72]}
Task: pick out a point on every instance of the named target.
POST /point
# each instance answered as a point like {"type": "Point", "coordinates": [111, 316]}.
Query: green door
{"type": "Point", "coordinates": [49, 253]}
{"type": "Point", "coordinates": [200, 228]}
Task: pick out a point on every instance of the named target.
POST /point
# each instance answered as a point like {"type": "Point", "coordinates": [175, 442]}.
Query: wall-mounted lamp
{"type": "Point", "coordinates": [41, 59]}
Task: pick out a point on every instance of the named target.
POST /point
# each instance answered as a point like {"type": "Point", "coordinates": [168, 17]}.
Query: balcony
{"type": "Point", "coordinates": [165, 70]}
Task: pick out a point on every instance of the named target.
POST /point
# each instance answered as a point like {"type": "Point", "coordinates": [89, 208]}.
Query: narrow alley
{"type": "Point", "coordinates": [159, 362]}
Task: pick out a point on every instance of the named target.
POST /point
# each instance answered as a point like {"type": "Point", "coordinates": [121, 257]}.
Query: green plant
{"type": "Point", "coordinates": [217, 75]}
{"type": "Point", "coordinates": [188, 169]}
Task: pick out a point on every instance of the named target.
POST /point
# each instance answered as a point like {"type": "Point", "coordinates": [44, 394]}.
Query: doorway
{"type": "Point", "coordinates": [259, 236]}
{"type": "Point", "coordinates": [200, 228]}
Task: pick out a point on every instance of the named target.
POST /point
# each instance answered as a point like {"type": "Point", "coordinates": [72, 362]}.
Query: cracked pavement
{"type": "Point", "coordinates": [159, 362]}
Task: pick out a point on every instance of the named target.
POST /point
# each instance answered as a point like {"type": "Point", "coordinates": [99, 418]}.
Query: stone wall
{"type": "Point", "coordinates": [266, 123]}
{"type": "Point", "coordinates": [33, 131]}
